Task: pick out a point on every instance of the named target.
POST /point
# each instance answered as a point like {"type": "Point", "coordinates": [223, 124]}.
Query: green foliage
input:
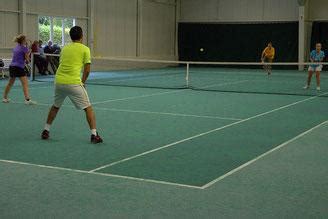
{"type": "Point", "coordinates": [68, 22]}
{"type": "Point", "coordinates": [44, 28]}
{"type": "Point", "coordinates": [44, 20]}
{"type": "Point", "coordinates": [44, 33]}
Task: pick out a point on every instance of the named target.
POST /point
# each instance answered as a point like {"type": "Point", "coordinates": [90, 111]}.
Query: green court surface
{"type": "Point", "coordinates": [167, 154]}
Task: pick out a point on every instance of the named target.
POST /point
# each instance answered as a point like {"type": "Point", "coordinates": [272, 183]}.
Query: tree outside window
{"type": "Point", "coordinates": [55, 29]}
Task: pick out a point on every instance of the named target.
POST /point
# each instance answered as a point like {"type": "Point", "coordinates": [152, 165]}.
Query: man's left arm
{"type": "Point", "coordinates": [86, 72]}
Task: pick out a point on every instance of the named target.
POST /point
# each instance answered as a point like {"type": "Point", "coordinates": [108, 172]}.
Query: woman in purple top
{"type": "Point", "coordinates": [16, 69]}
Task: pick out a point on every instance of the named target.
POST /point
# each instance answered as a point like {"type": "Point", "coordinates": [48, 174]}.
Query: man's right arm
{"type": "Point", "coordinates": [263, 54]}
{"type": "Point", "coordinates": [311, 55]}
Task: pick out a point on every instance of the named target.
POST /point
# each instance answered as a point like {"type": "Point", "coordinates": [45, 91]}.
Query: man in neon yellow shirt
{"type": "Point", "coordinates": [68, 83]}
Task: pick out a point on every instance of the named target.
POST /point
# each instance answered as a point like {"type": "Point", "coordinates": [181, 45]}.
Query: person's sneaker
{"type": "Point", "coordinates": [95, 139]}
{"type": "Point", "coordinates": [30, 102]}
{"type": "Point", "coordinates": [5, 100]}
{"type": "Point", "coordinates": [318, 89]}
{"type": "Point", "coordinates": [45, 134]}
{"type": "Point", "coordinates": [306, 87]}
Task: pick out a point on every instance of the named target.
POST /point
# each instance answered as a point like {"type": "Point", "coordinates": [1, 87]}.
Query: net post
{"type": "Point", "coordinates": [301, 67]}
{"type": "Point", "coordinates": [32, 67]}
{"type": "Point", "coordinates": [187, 75]}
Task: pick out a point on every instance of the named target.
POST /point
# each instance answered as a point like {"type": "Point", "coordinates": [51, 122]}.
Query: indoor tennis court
{"type": "Point", "coordinates": [192, 133]}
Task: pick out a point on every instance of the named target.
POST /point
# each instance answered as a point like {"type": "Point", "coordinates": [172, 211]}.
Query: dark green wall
{"type": "Point", "coordinates": [237, 42]}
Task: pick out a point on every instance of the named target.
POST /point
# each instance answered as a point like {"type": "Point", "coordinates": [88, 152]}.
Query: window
{"type": "Point", "coordinates": [55, 29]}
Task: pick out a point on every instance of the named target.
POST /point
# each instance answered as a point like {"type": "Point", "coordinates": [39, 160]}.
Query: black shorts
{"type": "Point", "coordinates": [16, 72]}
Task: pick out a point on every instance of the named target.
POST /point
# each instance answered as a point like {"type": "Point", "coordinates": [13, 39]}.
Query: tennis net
{"type": "Point", "coordinates": [130, 73]}
{"type": "Point", "coordinates": [284, 78]}
{"type": "Point", "coordinates": [236, 77]}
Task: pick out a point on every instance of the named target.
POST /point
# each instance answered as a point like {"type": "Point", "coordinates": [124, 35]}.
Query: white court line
{"type": "Point", "coordinates": [38, 104]}
{"type": "Point", "coordinates": [166, 113]}
{"type": "Point", "coordinates": [44, 87]}
{"type": "Point", "coordinates": [30, 87]}
{"type": "Point", "coordinates": [137, 97]}
{"type": "Point", "coordinates": [202, 134]}
{"type": "Point", "coordinates": [148, 95]}
{"type": "Point", "coordinates": [164, 182]}
{"type": "Point", "coordinates": [166, 92]}
{"type": "Point", "coordinates": [101, 174]}
{"type": "Point", "coordinates": [148, 180]}
{"type": "Point", "coordinates": [222, 84]}
{"type": "Point", "coordinates": [138, 77]}
{"type": "Point", "coordinates": [155, 94]}
{"type": "Point", "coordinates": [144, 112]}
{"type": "Point", "coordinates": [261, 156]}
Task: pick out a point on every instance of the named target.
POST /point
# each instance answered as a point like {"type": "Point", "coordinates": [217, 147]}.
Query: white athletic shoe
{"type": "Point", "coordinates": [318, 89]}
{"type": "Point", "coordinates": [30, 102]}
{"type": "Point", "coordinates": [306, 87]}
{"type": "Point", "coordinates": [5, 100]}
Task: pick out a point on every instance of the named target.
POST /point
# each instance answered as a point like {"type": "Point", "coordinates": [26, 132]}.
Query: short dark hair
{"type": "Point", "coordinates": [76, 33]}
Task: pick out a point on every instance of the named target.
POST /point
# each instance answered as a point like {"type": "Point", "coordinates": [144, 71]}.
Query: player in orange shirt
{"type": "Point", "coordinates": [267, 57]}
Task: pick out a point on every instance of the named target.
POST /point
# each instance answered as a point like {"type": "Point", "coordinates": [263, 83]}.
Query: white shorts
{"type": "Point", "coordinates": [76, 93]}
{"type": "Point", "coordinates": [315, 68]}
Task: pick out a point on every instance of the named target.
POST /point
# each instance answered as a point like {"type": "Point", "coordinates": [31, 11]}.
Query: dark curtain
{"type": "Point", "coordinates": [320, 35]}
{"type": "Point", "coordinates": [237, 42]}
